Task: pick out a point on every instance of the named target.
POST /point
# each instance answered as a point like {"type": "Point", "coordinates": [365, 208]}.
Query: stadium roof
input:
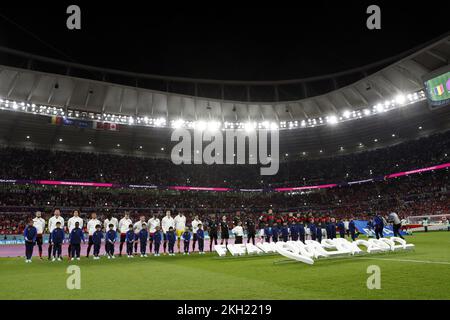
{"type": "Point", "coordinates": [73, 87]}
{"type": "Point", "coordinates": [189, 98]}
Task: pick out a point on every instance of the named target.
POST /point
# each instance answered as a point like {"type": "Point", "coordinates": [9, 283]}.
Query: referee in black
{"type": "Point", "coordinates": [224, 231]}
{"type": "Point", "coordinates": [251, 230]}
{"type": "Point", "coordinates": [213, 226]}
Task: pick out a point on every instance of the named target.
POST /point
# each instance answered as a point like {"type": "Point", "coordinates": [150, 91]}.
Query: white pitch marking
{"type": "Point", "coordinates": [408, 260]}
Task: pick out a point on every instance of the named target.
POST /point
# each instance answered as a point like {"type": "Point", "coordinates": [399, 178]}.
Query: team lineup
{"type": "Point", "coordinates": [142, 237]}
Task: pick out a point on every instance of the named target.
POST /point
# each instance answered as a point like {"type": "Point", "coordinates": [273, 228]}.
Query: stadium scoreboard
{"type": "Point", "coordinates": [437, 87]}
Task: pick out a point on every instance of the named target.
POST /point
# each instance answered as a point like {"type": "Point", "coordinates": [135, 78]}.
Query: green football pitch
{"type": "Point", "coordinates": [423, 273]}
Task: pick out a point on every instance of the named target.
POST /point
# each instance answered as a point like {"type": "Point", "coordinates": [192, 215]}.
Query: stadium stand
{"type": "Point", "coordinates": [426, 193]}
{"type": "Point", "coordinates": [60, 165]}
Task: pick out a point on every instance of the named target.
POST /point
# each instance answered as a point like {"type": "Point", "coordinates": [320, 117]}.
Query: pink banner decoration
{"type": "Point", "coordinates": [187, 188]}
{"type": "Point", "coordinates": [199, 188]}
{"type": "Point", "coordinates": [75, 183]}
{"type": "Point", "coordinates": [399, 174]}
{"type": "Point", "coordinates": [322, 186]}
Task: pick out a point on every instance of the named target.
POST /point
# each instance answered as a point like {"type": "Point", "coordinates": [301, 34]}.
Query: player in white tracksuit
{"type": "Point", "coordinates": [153, 222]}
{"type": "Point", "coordinates": [91, 228]}
{"type": "Point", "coordinates": [39, 224]}
{"type": "Point", "coordinates": [124, 226]}
{"type": "Point", "coordinates": [166, 223]}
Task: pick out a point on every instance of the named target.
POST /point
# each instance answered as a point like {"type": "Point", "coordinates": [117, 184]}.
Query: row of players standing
{"type": "Point", "coordinates": [274, 227]}
{"type": "Point", "coordinates": [168, 230]}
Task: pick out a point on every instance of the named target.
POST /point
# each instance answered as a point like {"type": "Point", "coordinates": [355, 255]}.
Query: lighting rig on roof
{"type": "Point", "coordinates": [401, 100]}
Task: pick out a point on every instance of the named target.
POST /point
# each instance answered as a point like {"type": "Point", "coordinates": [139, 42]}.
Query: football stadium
{"type": "Point", "coordinates": [119, 184]}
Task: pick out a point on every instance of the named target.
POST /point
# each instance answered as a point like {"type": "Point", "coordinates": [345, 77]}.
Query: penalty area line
{"type": "Point", "coordinates": [408, 260]}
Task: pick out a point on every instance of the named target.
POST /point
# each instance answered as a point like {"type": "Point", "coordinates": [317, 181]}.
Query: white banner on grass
{"type": "Point", "coordinates": [311, 250]}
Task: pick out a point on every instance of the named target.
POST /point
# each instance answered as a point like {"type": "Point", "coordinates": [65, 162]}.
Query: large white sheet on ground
{"type": "Point", "coordinates": [310, 250]}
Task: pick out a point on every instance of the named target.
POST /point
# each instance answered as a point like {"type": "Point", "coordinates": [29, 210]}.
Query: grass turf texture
{"type": "Point", "coordinates": [211, 277]}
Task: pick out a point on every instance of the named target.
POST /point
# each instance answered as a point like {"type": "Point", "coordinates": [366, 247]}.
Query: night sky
{"type": "Point", "coordinates": [222, 40]}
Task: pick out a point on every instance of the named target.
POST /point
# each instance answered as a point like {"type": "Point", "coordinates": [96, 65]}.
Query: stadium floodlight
{"type": "Point", "coordinates": [213, 125]}
{"type": "Point", "coordinates": [190, 124]}
{"type": "Point", "coordinates": [200, 125]}
{"type": "Point", "coordinates": [177, 123]}
{"type": "Point", "coordinates": [265, 124]}
{"type": "Point", "coordinates": [346, 114]}
{"type": "Point", "coordinates": [379, 108]}
{"type": "Point", "coordinates": [160, 122]}
{"type": "Point", "coordinates": [273, 126]}
{"type": "Point", "coordinates": [332, 120]}
{"type": "Point", "coordinates": [400, 99]}
{"type": "Point", "coordinates": [250, 126]}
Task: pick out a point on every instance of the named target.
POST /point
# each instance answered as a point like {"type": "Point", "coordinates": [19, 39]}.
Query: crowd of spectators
{"type": "Point", "coordinates": [423, 194]}
{"type": "Point", "coordinates": [419, 194]}
{"type": "Point", "coordinates": [58, 165]}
